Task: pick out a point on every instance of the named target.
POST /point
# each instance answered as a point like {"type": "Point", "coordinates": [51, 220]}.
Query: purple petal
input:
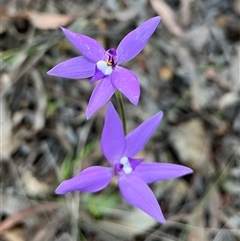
{"type": "Point", "coordinates": [137, 139]}
{"type": "Point", "coordinates": [89, 47]}
{"type": "Point", "coordinates": [127, 83]}
{"type": "Point", "coordinates": [100, 96]}
{"type": "Point", "coordinates": [97, 75]}
{"type": "Point", "coordinates": [153, 172]}
{"type": "Point", "coordinates": [113, 140]}
{"type": "Point", "coordinates": [75, 68]}
{"type": "Point", "coordinates": [133, 43]}
{"type": "Point", "coordinates": [135, 162]}
{"type": "Point", "coordinates": [92, 179]}
{"type": "Point", "coordinates": [136, 192]}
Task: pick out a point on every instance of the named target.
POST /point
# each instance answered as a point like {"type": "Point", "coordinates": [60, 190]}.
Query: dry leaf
{"type": "Point", "coordinates": [33, 186]}
{"type": "Point", "coordinates": [167, 15]}
{"type": "Point", "coordinates": [48, 20]}
{"type": "Point", "coordinates": [14, 234]}
{"type": "Point", "coordinates": [192, 144]}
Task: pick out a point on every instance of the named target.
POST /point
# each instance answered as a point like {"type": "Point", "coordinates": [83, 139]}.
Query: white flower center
{"type": "Point", "coordinates": [104, 67]}
{"type": "Point", "coordinates": [126, 165]}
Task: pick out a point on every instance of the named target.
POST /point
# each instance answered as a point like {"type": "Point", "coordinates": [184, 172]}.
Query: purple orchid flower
{"type": "Point", "coordinates": [132, 174]}
{"type": "Point", "coordinates": [100, 64]}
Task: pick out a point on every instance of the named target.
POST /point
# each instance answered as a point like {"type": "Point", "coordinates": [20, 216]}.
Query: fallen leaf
{"type": "Point", "coordinates": [34, 186]}
{"type": "Point", "coordinates": [167, 15]}
{"type": "Point", "coordinates": [192, 145]}
{"type": "Point", "coordinates": [48, 20]}
{"type": "Point", "coordinates": [14, 234]}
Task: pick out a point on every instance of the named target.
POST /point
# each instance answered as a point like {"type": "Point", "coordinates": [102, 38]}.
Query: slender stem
{"type": "Point", "coordinates": [122, 111]}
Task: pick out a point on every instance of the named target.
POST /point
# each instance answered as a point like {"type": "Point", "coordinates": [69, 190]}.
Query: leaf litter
{"type": "Point", "coordinates": [189, 69]}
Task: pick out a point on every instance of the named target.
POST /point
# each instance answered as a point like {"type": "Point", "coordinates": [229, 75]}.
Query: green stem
{"type": "Point", "coordinates": [122, 111]}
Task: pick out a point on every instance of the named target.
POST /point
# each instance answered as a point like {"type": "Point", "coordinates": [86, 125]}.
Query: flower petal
{"type": "Point", "coordinates": [133, 43]}
{"type": "Point", "coordinates": [75, 68]}
{"type": "Point", "coordinates": [97, 75]}
{"type": "Point", "coordinates": [136, 192]}
{"type": "Point", "coordinates": [137, 139]}
{"type": "Point", "coordinates": [89, 47]}
{"type": "Point", "coordinates": [153, 172]}
{"type": "Point", "coordinates": [92, 179]}
{"type": "Point", "coordinates": [113, 140]}
{"type": "Point", "coordinates": [100, 96]}
{"type": "Point", "coordinates": [127, 83]}
{"type": "Point", "coordinates": [135, 162]}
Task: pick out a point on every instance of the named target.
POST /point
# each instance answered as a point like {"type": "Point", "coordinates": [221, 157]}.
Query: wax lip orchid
{"type": "Point", "coordinates": [133, 174]}
{"type": "Point", "coordinates": [104, 65]}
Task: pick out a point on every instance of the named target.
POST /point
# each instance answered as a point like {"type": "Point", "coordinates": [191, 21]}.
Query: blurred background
{"type": "Point", "coordinates": [189, 69]}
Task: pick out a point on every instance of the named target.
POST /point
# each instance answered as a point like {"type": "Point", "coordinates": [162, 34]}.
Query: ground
{"type": "Point", "coordinates": [189, 69]}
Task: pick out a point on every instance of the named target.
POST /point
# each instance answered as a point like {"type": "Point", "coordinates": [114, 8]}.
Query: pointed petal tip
{"type": "Point", "coordinates": [60, 189]}
{"type": "Point", "coordinates": [62, 28]}
{"type": "Point", "coordinates": [162, 220]}
{"type": "Point", "coordinates": [135, 100]}
{"type": "Point", "coordinates": [57, 191]}
{"type": "Point", "coordinates": [154, 21]}
{"type": "Point", "coordinates": [188, 170]}
{"type": "Point", "coordinates": [89, 113]}
{"type": "Point", "coordinates": [183, 170]}
{"type": "Point", "coordinates": [157, 19]}
{"type": "Point", "coordinates": [158, 117]}
{"type": "Point", "coordinates": [51, 72]}
{"type": "Point", "coordinates": [160, 114]}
